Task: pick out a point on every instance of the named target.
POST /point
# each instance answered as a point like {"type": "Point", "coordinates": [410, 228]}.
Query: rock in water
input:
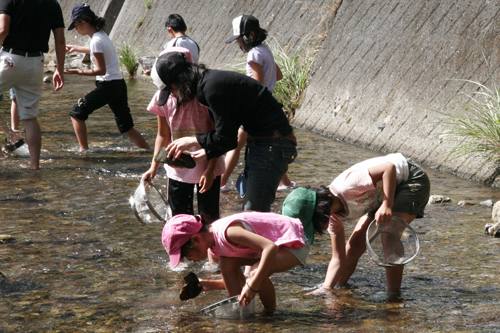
{"type": "Point", "coordinates": [185, 160]}
{"type": "Point", "coordinates": [7, 239]}
{"type": "Point", "coordinates": [191, 288]}
{"type": "Point", "coordinates": [438, 199]}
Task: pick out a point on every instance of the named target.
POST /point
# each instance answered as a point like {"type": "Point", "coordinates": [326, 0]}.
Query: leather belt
{"type": "Point", "coordinates": [22, 53]}
{"type": "Point", "coordinates": [276, 135]}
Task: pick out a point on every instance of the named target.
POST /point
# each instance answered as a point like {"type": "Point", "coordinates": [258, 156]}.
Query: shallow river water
{"type": "Point", "coordinates": [83, 263]}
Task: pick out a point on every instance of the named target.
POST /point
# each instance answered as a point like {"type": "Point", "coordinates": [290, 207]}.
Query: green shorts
{"type": "Point", "coordinates": [411, 195]}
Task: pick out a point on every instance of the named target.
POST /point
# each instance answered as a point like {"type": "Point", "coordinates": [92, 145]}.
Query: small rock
{"type": "Point", "coordinates": [495, 212]}
{"type": "Point", "coordinates": [486, 203]}
{"type": "Point", "coordinates": [433, 199]}
{"type": "Point", "coordinates": [492, 229]}
{"type": "Point", "coordinates": [382, 126]}
{"type": "Point", "coordinates": [47, 79]}
{"type": "Point", "coordinates": [6, 239]}
{"type": "Point", "coordinates": [465, 203]}
{"type": "Point", "coordinates": [487, 227]}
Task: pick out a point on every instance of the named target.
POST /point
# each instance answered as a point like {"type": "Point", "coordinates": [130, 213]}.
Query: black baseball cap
{"type": "Point", "coordinates": [243, 24]}
{"type": "Point", "coordinates": [78, 11]}
{"type": "Point", "coordinates": [165, 71]}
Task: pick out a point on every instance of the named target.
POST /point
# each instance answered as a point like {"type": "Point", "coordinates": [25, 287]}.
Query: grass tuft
{"type": "Point", "coordinates": [295, 68]}
{"type": "Point", "coordinates": [477, 123]}
{"type": "Point", "coordinates": [128, 56]}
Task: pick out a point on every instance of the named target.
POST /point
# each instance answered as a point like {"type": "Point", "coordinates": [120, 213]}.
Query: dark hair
{"type": "Point", "coordinates": [206, 220]}
{"type": "Point", "coordinates": [250, 42]}
{"type": "Point", "coordinates": [176, 22]}
{"type": "Point", "coordinates": [324, 202]}
{"type": "Point", "coordinates": [187, 82]}
{"type": "Point", "coordinates": [91, 18]}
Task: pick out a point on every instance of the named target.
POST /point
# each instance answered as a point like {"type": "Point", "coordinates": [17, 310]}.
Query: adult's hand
{"type": "Point", "coordinates": [180, 145]}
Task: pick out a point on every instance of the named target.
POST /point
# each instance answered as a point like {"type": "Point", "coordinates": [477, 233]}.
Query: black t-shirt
{"type": "Point", "coordinates": [235, 99]}
{"type": "Point", "coordinates": [30, 23]}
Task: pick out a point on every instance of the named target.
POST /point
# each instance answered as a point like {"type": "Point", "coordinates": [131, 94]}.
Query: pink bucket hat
{"type": "Point", "coordinates": [177, 232]}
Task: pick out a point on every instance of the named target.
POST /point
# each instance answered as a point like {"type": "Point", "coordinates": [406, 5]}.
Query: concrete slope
{"type": "Point", "coordinates": [387, 68]}
{"type": "Point", "coordinates": [384, 72]}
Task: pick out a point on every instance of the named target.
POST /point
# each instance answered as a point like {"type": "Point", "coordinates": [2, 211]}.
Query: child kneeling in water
{"type": "Point", "coordinates": [268, 242]}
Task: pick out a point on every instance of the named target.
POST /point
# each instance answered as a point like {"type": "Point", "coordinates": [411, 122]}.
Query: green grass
{"type": "Point", "coordinates": [295, 67]}
{"type": "Point", "coordinates": [128, 56]}
{"type": "Point", "coordinates": [477, 123]}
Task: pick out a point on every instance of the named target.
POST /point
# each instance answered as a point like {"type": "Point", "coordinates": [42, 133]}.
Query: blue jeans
{"type": "Point", "coordinates": [267, 161]}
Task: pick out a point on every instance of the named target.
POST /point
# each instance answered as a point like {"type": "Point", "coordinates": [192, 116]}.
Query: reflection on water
{"type": "Point", "coordinates": [83, 263]}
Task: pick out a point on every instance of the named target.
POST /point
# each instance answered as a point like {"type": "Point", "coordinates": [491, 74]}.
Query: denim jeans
{"type": "Point", "coordinates": [267, 161]}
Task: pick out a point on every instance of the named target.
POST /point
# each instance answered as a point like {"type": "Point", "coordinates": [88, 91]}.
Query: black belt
{"type": "Point", "coordinates": [276, 135]}
{"type": "Point", "coordinates": [21, 53]}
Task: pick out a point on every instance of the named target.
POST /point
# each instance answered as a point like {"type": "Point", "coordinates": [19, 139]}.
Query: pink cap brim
{"type": "Point", "coordinates": [175, 259]}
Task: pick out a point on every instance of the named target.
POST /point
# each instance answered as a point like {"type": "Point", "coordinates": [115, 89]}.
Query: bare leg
{"type": "Point", "coordinates": [34, 140]}
{"type": "Point", "coordinates": [233, 156]}
{"type": "Point", "coordinates": [14, 116]}
{"type": "Point", "coordinates": [394, 275]}
{"type": "Point", "coordinates": [81, 133]}
{"type": "Point", "coordinates": [356, 246]}
{"type": "Point", "coordinates": [283, 261]}
{"type": "Point", "coordinates": [137, 138]}
{"type": "Point", "coordinates": [4, 127]}
{"type": "Point", "coordinates": [234, 279]}
{"type": "Point", "coordinates": [285, 181]}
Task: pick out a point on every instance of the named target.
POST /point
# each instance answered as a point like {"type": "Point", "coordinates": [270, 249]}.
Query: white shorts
{"type": "Point", "coordinates": [26, 75]}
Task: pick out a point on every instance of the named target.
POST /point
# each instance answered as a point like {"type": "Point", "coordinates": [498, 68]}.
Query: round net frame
{"type": "Point", "coordinates": [392, 244]}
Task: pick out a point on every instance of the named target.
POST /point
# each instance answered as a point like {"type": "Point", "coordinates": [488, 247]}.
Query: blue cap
{"type": "Point", "coordinates": [78, 11]}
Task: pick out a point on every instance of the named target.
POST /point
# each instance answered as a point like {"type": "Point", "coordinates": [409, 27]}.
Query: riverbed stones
{"type": "Point", "coordinates": [486, 203]}
{"type": "Point", "coordinates": [495, 213]}
{"type": "Point", "coordinates": [434, 199]}
{"type": "Point", "coordinates": [465, 203]}
{"type": "Point", "coordinates": [492, 229]}
{"type": "Point", "coordinates": [4, 239]}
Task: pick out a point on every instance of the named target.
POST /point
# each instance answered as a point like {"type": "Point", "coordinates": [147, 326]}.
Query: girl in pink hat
{"type": "Point", "coordinates": [268, 242]}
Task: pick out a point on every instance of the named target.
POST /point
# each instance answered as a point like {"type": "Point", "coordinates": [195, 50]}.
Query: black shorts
{"type": "Point", "coordinates": [112, 93]}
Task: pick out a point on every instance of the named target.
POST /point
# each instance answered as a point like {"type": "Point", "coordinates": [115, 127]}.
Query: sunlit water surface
{"type": "Point", "coordinates": [83, 263]}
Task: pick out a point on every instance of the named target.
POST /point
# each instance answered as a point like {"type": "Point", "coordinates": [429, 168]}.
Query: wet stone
{"type": "Point", "coordinates": [486, 203]}
{"type": "Point", "coordinates": [185, 160]}
{"type": "Point", "coordinates": [191, 288]}
{"type": "Point", "coordinates": [434, 199]}
{"type": "Point", "coordinates": [492, 229]}
{"type": "Point", "coordinates": [4, 239]}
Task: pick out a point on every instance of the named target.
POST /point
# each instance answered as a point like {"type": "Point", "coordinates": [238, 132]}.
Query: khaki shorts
{"type": "Point", "coordinates": [302, 253]}
{"type": "Point", "coordinates": [25, 74]}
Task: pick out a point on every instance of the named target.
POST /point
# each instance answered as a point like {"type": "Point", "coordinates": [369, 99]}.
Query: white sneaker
{"type": "Point", "coordinates": [225, 188]}
{"type": "Point", "coordinates": [284, 187]}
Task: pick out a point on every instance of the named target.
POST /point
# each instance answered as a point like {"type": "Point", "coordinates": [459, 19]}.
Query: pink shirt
{"type": "Point", "coordinates": [190, 120]}
{"type": "Point", "coordinates": [282, 230]}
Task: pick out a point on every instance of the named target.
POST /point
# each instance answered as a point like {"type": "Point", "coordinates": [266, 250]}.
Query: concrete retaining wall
{"type": "Point", "coordinates": [379, 61]}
